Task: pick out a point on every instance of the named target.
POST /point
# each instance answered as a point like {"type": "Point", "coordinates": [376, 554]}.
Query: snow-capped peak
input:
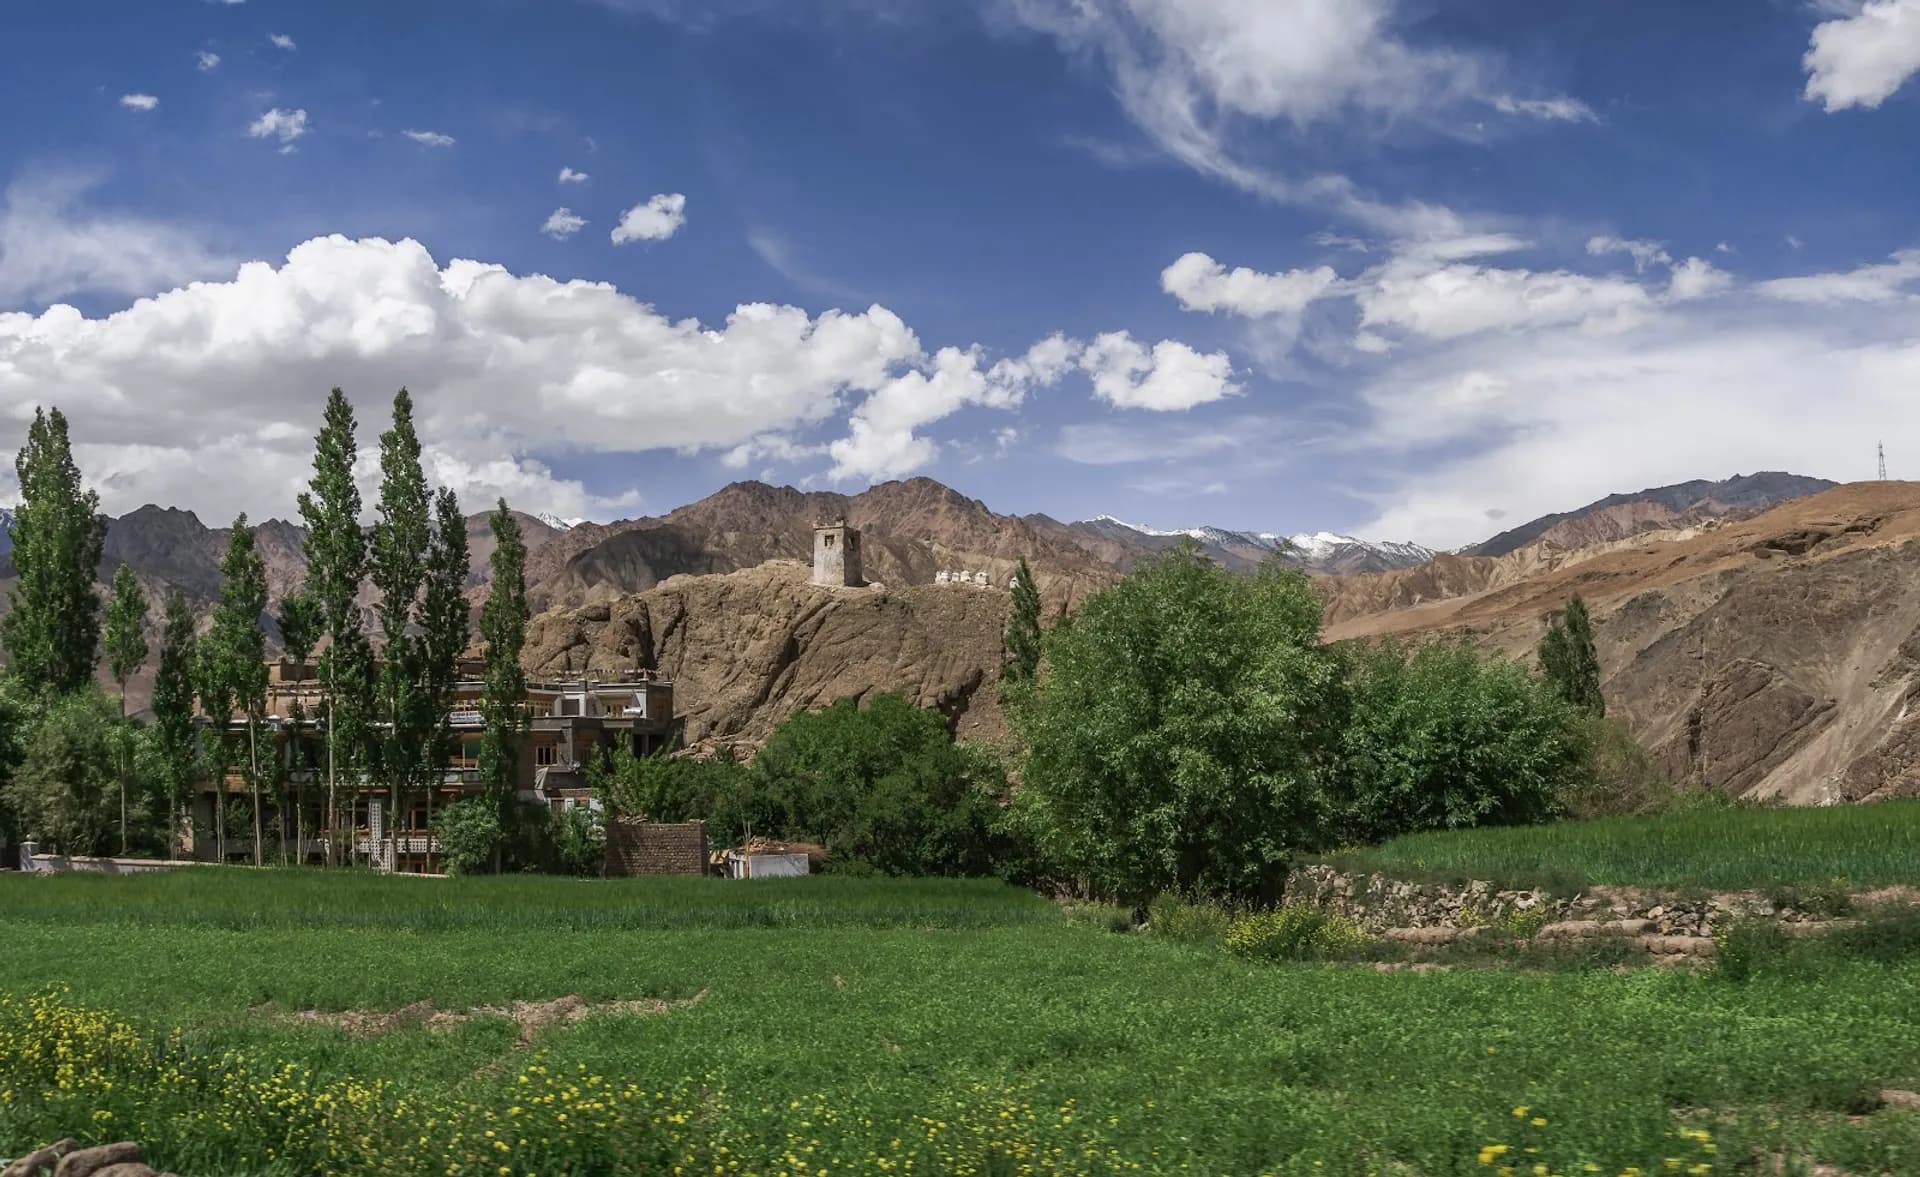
{"type": "Point", "coordinates": [1308, 547]}
{"type": "Point", "coordinates": [557, 523]}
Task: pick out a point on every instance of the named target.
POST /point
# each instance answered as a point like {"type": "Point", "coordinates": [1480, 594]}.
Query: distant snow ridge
{"type": "Point", "coordinates": [1312, 547]}
{"type": "Point", "coordinates": [557, 523]}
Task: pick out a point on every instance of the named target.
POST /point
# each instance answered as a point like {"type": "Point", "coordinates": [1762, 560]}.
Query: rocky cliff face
{"type": "Point", "coordinates": [1775, 656]}
{"type": "Point", "coordinates": [1659, 508]}
{"type": "Point", "coordinates": [746, 649]}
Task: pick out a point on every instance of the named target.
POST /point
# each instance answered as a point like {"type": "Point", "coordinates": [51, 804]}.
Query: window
{"type": "Point", "coordinates": [543, 754]}
{"type": "Point", "coordinates": [828, 540]}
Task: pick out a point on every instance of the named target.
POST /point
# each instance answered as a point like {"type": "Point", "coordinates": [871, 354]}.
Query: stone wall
{"type": "Point", "coordinates": [636, 847]}
{"type": "Point", "coordinates": [1379, 902]}
{"type": "Point", "coordinates": [33, 861]}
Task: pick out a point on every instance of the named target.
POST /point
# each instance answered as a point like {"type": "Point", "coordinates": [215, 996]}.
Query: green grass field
{"type": "Point", "coordinates": [1731, 848]}
{"type": "Point", "coordinates": [878, 1026]}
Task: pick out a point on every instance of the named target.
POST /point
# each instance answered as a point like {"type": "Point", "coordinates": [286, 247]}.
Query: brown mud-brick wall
{"type": "Point", "coordinates": [636, 847]}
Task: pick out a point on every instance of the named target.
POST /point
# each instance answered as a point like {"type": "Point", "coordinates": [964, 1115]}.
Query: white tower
{"type": "Point", "coordinates": [836, 555]}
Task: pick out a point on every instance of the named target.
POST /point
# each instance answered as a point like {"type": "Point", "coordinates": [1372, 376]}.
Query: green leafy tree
{"type": "Point", "coordinates": [1568, 660]}
{"type": "Point", "coordinates": [1438, 736]}
{"type": "Point", "coordinates": [402, 536]}
{"type": "Point", "coordinates": [16, 724]}
{"type": "Point", "coordinates": [126, 646]}
{"type": "Point", "coordinates": [503, 633]}
{"type": "Point", "coordinates": [71, 771]}
{"type": "Point", "coordinates": [1181, 740]}
{"type": "Point", "coordinates": [126, 634]}
{"type": "Point", "coordinates": [336, 563]}
{"type": "Point", "coordinates": [175, 750]}
{"type": "Point", "coordinates": [52, 631]}
{"type": "Point", "coordinates": [882, 784]}
{"type": "Point", "coordinates": [469, 834]}
{"type": "Point", "coordinates": [1023, 629]}
{"type": "Point", "coordinates": [234, 676]}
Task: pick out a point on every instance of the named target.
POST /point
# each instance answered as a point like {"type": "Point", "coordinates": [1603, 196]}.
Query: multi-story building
{"type": "Point", "coordinates": [571, 720]}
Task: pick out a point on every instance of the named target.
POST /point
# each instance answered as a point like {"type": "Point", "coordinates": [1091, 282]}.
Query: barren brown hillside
{"type": "Point", "coordinates": [1774, 656]}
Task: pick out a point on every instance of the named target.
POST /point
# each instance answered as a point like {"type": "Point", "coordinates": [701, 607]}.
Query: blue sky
{"type": "Point", "coordinates": [1415, 271]}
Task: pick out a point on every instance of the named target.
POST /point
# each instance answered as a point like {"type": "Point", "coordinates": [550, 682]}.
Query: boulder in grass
{"type": "Point", "coordinates": [42, 1162]}
{"type": "Point", "coordinates": [88, 1161]}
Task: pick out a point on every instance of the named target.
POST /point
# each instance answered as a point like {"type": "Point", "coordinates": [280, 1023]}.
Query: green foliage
{"type": "Point", "coordinates": [1439, 737]}
{"type": "Point", "coordinates": [1724, 848]}
{"type": "Point", "coordinates": [232, 673]}
{"type": "Point", "coordinates": [469, 834]}
{"type": "Point", "coordinates": [1622, 779]}
{"type": "Point", "coordinates": [336, 561]}
{"type": "Point", "coordinates": [175, 748]}
{"type": "Point", "coordinates": [51, 632]}
{"type": "Point", "coordinates": [1292, 931]}
{"type": "Point", "coordinates": [719, 791]}
{"type": "Point", "coordinates": [300, 624]}
{"type": "Point", "coordinates": [883, 784]}
{"type": "Point", "coordinates": [125, 638]}
{"type": "Point", "coordinates": [503, 633]}
{"type": "Point", "coordinates": [16, 724]}
{"type": "Point", "coordinates": [1023, 629]}
{"type": "Point", "coordinates": [580, 840]}
{"type": "Point", "coordinates": [1745, 947]}
{"type": "Point", "coordinates": [1181, 741]}
{"type": "Point", "coordinates": [1569, 661]}
{"type": "Point", "coordinates": [74, 762]}
{"type": "Point", "coordinates": [1189, 921]}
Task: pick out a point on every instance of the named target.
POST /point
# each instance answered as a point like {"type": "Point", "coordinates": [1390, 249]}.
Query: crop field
{"type": "Point", "coordinates": [1733, 847]}
{"type": "Point", "coordinates": [278, 1022]}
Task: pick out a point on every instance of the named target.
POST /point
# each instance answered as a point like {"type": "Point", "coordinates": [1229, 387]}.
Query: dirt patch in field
{"type": "Point", "coordinates": [530, 1016]}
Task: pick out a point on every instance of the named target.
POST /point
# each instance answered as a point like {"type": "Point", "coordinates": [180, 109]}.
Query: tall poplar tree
{"type": "Point", "coordinates": [126, 637]}
{"type": "Point", "coordinates": [1569, 661]}
{"type": "Point", "coordinates": [173, 711]}
{"type": "Point", "coordinates": [401, 536]}
{"type": "Point", "coordinates": [1023, 629]}
{"type": "Point", "coordinates": [443, 632]}
{"type": "Point", "coordinates": [503, 632]}
{"type": "Point", "coordinates": [336, 563]}
{"type": "Point", "coordinates": [300, 624]}
{"type": "Point", "coordinates": [52, 631]}
{"type": "Point", "coordinates": [126, 646]}
{"type": "Point", "coordinates": [237, 660]}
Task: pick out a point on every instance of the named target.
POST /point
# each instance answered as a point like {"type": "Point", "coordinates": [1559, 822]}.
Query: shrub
{"type": "Point", "coordinates": [580, 840]}
{"type": "Point", "coordinates": [1437, 736]}
{"type": "Point", "coordinates": [1745, 947]}
{"type": "Point", "coordinates": [1105, 916]}
{"type": "Point", "coordinates": [1187, 921]}
{"type": "Point", "coordinates": [1293, 931]}
{"type": "Point", "coordinates": [469, 835]}
{"type": "Point", "coordinates": [1887, 936]}
{"type": "Point", "coordinates": [1622, 780]}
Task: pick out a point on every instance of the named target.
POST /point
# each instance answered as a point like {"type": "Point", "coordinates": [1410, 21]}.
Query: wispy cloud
{"type": "Point", "coordinates": [207, 60]}
{"type": "Point", "coordinates": [279, 123]}
{"type": "Point", "coordinates": [282, 41]}
{"type": "Point", "coordinates": [569, 176]}
{"type": "Point", "coordinates": [139, 101]}
{"type": "Point", "coordinates": [563, 223]}
{"type": "Point", "coordinates": [430, 138]}
{"type": "Point", "coordinates": [52, 246]}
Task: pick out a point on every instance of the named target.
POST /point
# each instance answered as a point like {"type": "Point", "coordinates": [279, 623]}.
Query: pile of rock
{"type": "Point", "coordinates": [65, 1158]}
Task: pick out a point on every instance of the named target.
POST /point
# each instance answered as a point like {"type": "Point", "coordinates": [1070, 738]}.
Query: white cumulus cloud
{"type": "Point", "coordinates": [659, 218]}
{"type": "Point", "coordinates": [139, 101]}
{"type": "Point", "coordinates": [1202, 284]}
{"type": "Point", "coordinates": [563, 223]}
{"type": "Point", "coordinates": [430, 138]}
{"type": "Point", "coordinates": [1169, 378]}
{"type": "Point", "coordinates": [569, 176]}
{"type": "Point", "coordinates": [282, 41]}
{"type": "Point", "coordinates": [279, 123]}
{"type": "Point", "coordinates": [52, 247]}
{"type": "Point", "coordinates": [1863, 58]}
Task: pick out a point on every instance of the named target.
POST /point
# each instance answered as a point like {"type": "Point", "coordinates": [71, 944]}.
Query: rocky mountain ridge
{"type": "Point", "coordinates": [1324, 552]}
{"type": "Point", "coordinates": [1659, 508]}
